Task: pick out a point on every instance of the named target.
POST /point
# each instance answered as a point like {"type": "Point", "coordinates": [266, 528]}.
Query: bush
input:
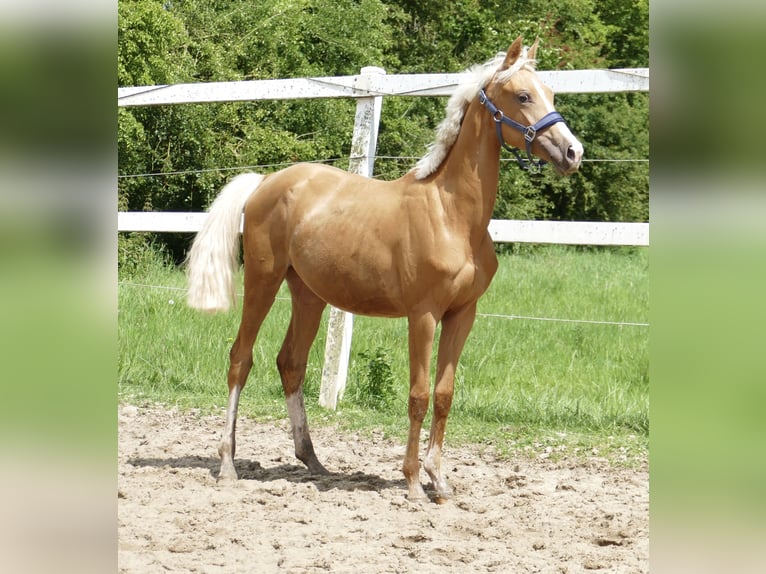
{"type": "Point", "coordinates": [376, 389]}
{"type": "Point", "coordinates": [137, 253]}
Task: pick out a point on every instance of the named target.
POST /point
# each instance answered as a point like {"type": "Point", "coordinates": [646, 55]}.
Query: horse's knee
{"type": "Point", "coordinates": [442, 401]}
{"type": "Point", "coordinates": [418, 406]}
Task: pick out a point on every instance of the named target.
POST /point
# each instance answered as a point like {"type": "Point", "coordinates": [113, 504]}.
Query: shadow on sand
{"type": "Point", "coordinates": [251, 470]}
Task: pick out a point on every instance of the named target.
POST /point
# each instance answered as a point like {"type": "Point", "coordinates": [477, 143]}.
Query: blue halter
{"type": "Point", "coordinates": [530, 132]}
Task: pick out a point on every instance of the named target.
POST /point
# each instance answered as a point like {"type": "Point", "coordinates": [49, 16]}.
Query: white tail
{"type": "Point", "coordinates": [213, 258]}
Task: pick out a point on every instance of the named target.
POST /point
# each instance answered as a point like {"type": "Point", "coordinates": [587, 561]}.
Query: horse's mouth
{"type": "Point", "coordinates": [567, 169]}
{"type": "Point", "coordinates": [565, 159]}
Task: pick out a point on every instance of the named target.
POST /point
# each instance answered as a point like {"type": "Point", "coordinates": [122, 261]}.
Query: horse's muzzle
{"type": "Point", "coordinates": [572, 158]}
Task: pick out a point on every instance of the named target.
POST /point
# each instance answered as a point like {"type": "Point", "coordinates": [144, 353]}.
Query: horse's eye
{"type": "Point", "coordinates": [523, 98]}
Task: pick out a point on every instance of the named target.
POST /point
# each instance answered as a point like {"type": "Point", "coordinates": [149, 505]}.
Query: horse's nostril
{"type": "Point", "coordinates": [574, 154]}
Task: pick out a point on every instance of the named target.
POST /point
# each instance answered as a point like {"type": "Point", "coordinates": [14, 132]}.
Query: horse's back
{"type": "Point", "coordinates": [320, 178]}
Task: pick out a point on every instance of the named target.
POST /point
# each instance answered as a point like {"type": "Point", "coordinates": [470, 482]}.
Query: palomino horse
{"type": "Point", "coordinates": [416, 247]}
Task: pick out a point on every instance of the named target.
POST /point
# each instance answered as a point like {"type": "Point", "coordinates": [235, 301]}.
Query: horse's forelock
{"type": "Point", "coordinates": [522, 63]}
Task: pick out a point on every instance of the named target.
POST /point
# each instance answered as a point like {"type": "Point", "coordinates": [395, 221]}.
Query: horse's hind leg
{"type": "Point", "coordinates": [258, 299]}
{"type": "Point", "coordinates": [292, 360]}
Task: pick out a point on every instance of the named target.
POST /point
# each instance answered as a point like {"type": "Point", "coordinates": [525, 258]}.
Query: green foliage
{"type": "Point", "coordinates": [152, 44]}
{"type": "Point", "coordinates": [627, 39]}
{"type": "Point", "coordinates": [138, 254]}
{"type": "Point", "coordinates": [376, 390]}
{"type": "Point", "coordinates": [170, 41]}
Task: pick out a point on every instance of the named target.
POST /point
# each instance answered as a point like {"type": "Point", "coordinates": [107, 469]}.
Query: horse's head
{"type": "Point", "coordinates": [522, 108]}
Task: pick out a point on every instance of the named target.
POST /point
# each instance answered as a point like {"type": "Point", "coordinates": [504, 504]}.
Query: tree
{"type": "Point", "coordinates": [191, 40]}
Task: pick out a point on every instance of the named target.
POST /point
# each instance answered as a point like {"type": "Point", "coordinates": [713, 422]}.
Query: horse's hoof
{"type": "Point", "coordinates": [417, 497]}
{"type": "Point", "coordinates": [318, 469]}
{"type": "Point", "coordinates": [229, 475]}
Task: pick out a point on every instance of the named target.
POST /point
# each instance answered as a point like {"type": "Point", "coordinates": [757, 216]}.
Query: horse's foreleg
{"type": "Point", "coordinates": [257, 302]}
{"type": "Point", "coordinates": [292, 361]}
{"type": "Point", "coordinates": [455, 329]}
{"type": "Point", "coordinates": [421, 337]}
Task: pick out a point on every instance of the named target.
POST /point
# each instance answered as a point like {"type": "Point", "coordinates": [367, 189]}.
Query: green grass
{"type": "Point", "coordinates": [522, 384]}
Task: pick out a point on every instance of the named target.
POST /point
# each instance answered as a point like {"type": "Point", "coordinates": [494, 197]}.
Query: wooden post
{"type": "Point", "coordinates": [362, 161]}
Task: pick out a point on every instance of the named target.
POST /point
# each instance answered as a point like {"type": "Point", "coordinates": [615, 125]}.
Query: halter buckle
{"type": "Point", "coordinates": [529, 134]}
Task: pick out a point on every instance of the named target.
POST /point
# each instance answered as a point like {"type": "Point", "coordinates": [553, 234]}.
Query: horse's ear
{"type": "Point", "coordinates": [532, 52]}
{"type": "Point", "coordinates": [513, 53]}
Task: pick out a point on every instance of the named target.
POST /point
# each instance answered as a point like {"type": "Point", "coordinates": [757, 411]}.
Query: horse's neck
{"type": "Point", "coordinates": [468, 178]}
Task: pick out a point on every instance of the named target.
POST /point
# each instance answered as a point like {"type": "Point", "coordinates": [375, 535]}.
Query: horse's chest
{"type": "Point", "coordinates": [461, 278]}
{"type": "Point", "coordinates": [470, 282]}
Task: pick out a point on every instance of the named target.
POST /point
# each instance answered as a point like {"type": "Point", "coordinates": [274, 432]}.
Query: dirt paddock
{"type": "Point", "coordinates": [530, 515]}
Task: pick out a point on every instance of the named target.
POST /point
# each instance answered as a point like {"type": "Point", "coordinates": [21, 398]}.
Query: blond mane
{"type": "Point", "coordinates": [449, 128]}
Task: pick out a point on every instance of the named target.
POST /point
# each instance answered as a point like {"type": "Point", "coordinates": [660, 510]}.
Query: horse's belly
{"type": "Point", "coordinates": [372, 307]}
{"type": "Point", "coordinates": [350, 285]}
{"type": "Point", "coordinates": [367, 299]}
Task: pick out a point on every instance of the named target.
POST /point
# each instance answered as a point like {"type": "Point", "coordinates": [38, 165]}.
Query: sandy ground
{"type": "Point", "coordinates": [524, 516]}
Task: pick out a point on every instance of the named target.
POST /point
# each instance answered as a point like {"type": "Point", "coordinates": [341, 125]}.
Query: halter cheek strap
{"type": "Point", "coordinates": [530, 132]}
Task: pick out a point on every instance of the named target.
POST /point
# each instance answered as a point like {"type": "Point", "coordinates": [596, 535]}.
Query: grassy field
{"type": "Point", "coordinates": [524, 383]}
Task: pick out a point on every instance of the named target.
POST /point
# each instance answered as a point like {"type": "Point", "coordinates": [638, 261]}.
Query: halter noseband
{"type": "Point", "coordinates": [530, 132]}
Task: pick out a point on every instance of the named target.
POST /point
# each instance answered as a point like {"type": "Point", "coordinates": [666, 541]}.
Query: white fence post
{"type": "Point", "coordinates": [362, 161]}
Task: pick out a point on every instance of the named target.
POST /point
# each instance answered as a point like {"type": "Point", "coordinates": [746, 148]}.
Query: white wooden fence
{"type": "Point", "coordinates": [368, 88]}
{"type": "Point", "coordinates": [501, 230]}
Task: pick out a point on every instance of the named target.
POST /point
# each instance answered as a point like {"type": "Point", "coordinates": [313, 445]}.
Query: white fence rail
{"type": "Point", "coordinates": [501, 230]}
{"type": "Point", "coordinates": [370, 84]}
{"type": "Point", "coordinates": [368, 88]}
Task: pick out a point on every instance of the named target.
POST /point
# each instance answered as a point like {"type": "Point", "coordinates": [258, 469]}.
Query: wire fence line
{"type": "Point", "coordinates": [328, 160]}
{"type": "Point", "coordinates": [485, 315]}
